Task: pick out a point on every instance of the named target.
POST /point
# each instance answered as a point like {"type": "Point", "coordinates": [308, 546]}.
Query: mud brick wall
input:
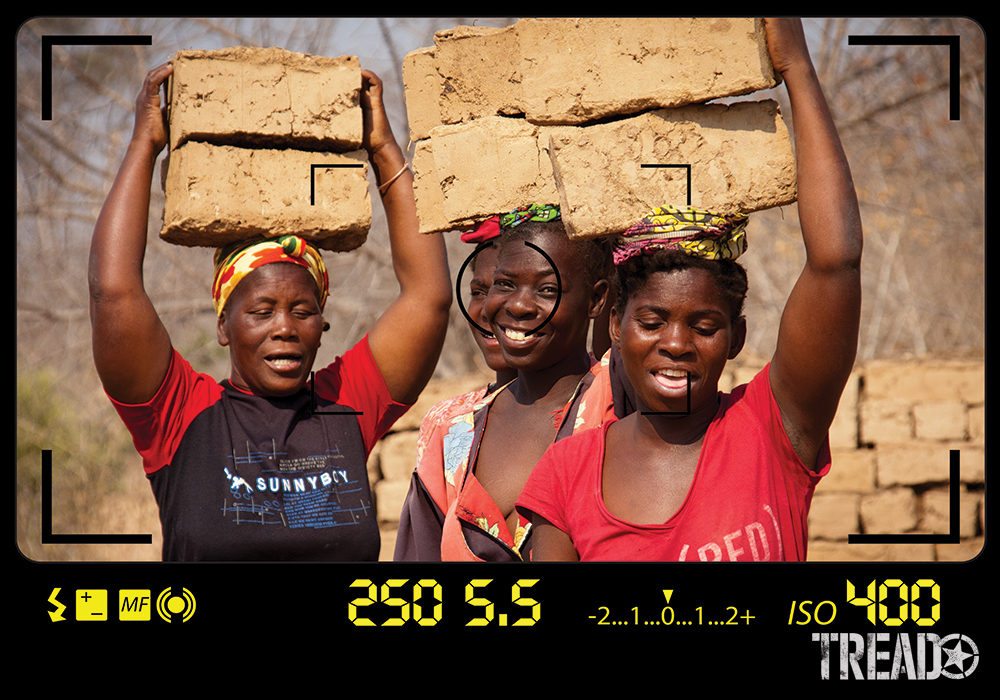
{"type": "Point", "coordinates": [891, 439]}
{"type": "Point", "coordinates": [246, 128]}
{"type": "Point", "coordinates": [568, 110]}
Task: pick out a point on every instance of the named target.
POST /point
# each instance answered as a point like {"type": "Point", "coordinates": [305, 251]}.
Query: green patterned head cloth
{"type": "Point", "coordinates": [533, 212]}
{"type": "Point", "coordinates": [696, 232]}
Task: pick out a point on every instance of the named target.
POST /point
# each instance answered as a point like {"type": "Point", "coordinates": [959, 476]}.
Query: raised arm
{"type": "Point", "coordinates": [818, 335]}
{"type": "Point", "coordinates": [407, 339]}
{"type": "Point", "coordinates": [131, 346]}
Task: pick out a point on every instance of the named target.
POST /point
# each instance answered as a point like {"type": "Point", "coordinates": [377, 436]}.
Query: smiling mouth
{"type": "Point", "coordinates": [281, 362]}
{"type": "Point", "coordinates": [518, 335]}
{"type": "Point", "coordinates": [673, 373]}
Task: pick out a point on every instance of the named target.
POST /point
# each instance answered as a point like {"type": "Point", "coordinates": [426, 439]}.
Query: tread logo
{"type": "Point", "coordinates": [885, 656]}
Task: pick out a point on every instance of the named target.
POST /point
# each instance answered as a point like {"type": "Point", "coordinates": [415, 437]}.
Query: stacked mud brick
{"type": "Point", "coordinates": [569, 111]}
{"type": "Point", "coordinates": [265, 142]}
{"type": "Point", "coordinates": [893, 476]}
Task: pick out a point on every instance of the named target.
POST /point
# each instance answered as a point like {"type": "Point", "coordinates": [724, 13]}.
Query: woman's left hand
{"type": "Point", "coordinates": [377, 132]}
{"type": "Point", "coordinates": [786, 43]}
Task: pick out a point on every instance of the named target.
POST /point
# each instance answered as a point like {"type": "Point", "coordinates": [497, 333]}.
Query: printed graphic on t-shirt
{"type": "Point", "coordinates": [315, 491]}
{"type": "Point", "coordinates": [752, 542]}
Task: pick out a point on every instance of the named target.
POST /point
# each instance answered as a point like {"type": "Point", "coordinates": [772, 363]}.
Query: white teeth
{"type": "Point", "coordinates": [282, 361]}
{"type": "Point", "coordinates": [513, 335]}
{"type": "Point", "coordinates": [673, 373]}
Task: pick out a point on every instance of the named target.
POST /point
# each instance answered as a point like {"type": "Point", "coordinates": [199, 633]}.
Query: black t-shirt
{"type": "Point", "coordinates": [240, 477]}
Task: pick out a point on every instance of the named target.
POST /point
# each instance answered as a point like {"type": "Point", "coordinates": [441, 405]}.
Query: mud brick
{"type": "Point", "coordinates": [740, 158]}
{"type": "Point", "coordinates": [618, 66]}
{"type": "Point", "coordinates": [572, 71]}
{"type": "Point", "coordinates": [266, 97]}
{"type": "Point", "coordinates": [926, 381]}
{"type": "Point", "coordinates": [885, 421]}
{"type": "Point", "coordinates": [422, 86]}
{"type": "Point", "coordinates": [937, 511]}
{"type": "Point", "coordinates": [919, 463]}
{"type": "Point", "coordinates": [470, 172]}
{"type": "Point", "coordinates": [851, 470]}
{"type": "Point", "coordinates": [833, 516]}
{"type": "Point", "coordinates": [940, 420]}
{"type": "Point", "coordinates": [220, 194]}
{"type": "Point", "coordinates": [478, 72]}
{"type": "Point", "coordinates": [890, 511]}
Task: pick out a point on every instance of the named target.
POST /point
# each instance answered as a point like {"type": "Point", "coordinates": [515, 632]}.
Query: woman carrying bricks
{"type": "Point", "coordinates": [264, 465]}
{"type": "Point", "coordinates": [695, 475]}
{"type": "Point", "coordinates": [446, 430]}
{"type": "Point", "coordinates": [546, 290]}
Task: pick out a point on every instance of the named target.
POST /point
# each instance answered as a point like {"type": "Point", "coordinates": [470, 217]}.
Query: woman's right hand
{"type": "Point", "coordinates": [151, 111]}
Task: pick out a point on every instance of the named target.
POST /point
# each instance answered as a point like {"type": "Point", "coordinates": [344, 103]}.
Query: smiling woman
{"type": "Point", "coordinates": [694, 474]}
{"type": "Point", "coordinates": [546, 290]}
{"type": "Point", "coordinates": [245, 468]}
{"type": "Point", "coordinates": [670, 300]}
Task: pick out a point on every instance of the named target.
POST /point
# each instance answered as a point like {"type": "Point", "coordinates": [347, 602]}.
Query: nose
{"type": "Point", "coordinates": [518, 302]}
{"type": "Point", "coordinates": [675, 340]}
{"type": "Point", "coordinates": [521, 303]}
{"type": "Point", "coordinates": [282, 325]}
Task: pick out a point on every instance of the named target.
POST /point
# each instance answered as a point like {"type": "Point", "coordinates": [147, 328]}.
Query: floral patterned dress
{"type": "Point", "coordinates": [448, 515]}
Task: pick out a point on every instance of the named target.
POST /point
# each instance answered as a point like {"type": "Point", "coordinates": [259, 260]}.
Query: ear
{"type": "Point", "coordinates": [220, 331]}
{"type": "Point", "coordinates": [598, 298]}
{"type": "Point", "coordinates": [615, 327]}
{"type": "Point", "coordinates": [739, 337]}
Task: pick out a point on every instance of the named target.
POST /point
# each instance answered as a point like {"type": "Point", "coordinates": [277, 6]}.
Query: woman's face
{"type": "Point", "coordinates": [273, 325]}
{"type": "Point", "coordinates": [482, 280]}
{"type": "Point", "coordinates": [677, 324]}
{"type": "Point", "coordinates": [524, 292]}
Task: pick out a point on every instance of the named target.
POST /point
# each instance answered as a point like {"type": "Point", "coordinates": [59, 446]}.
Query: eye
{"type": "Point", "coordinates": [648, 322]}
{"type": "Point", "coordinates": [705, 329]}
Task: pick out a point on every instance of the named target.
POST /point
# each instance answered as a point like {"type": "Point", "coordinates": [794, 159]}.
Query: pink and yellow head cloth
{"type": "Point", "coordinates": [696, 232]}
{"type": "Point", "coordinates": [237, 260]}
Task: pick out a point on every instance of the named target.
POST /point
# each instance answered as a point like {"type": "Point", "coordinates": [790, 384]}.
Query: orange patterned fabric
{"type": "Point", "coordinates": [236, 261]}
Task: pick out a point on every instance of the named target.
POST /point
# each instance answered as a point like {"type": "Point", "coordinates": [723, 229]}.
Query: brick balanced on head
{"type": "Point", "coordinates": [570, 110]}
{"type": "Point", "coordinates": [265, 142]}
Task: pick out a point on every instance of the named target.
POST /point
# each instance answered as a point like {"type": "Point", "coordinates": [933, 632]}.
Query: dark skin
{"type": "Point", "coordinates": [549, 363]}
{"type": "Point", "coordinates": [131, 346]}
{"type": "Point", "coordinates": [273, 326]}
{"type": "Point", "coordinates": [650, 460]}
{"type": "Point", "coordinates": [479, 288]}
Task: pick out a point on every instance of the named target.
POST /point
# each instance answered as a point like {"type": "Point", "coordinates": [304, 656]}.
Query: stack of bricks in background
{"type": "Point", "coordinates": [246, 128]}
{"type": "Point", "coordinates": [896, 423]}
{"type": "Point", "coordinates": [568, 110]}
{"type": "Point", "coordinates": [891, 475]}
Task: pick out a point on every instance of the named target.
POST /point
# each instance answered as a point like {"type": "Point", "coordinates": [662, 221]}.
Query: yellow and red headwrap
{"type": "Point", "coordinates": [696, 232]}
{"type": "Point", "coordinates": [237, 260]}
